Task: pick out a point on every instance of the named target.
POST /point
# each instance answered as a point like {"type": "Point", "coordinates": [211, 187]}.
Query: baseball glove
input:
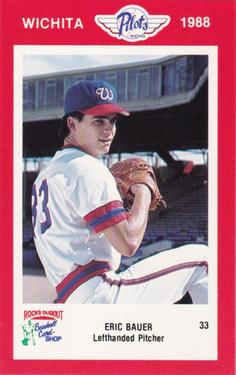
{"type": "Point", "coordinates": [136, 171]}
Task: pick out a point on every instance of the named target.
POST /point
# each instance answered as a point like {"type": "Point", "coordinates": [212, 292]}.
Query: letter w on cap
{"type": "Point", "coordinates": [104, 93]}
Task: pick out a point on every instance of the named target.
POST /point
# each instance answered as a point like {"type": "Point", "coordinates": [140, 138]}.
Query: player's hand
{"type": "Point", "coordinates": [136, 188]}
{"type": "Point", "coordinates": [143, 192]}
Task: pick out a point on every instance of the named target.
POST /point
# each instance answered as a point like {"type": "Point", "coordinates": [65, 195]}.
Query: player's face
{"type": "Point", "coordinates": [94, 134]}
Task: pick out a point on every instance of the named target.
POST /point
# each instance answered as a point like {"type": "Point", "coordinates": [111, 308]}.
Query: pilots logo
{"type": "Point", "coordinates": [132, 23]}
{"type": "Point", "coordinates": [41, 325]}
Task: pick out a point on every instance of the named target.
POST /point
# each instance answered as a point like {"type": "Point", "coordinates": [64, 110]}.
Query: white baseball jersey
{"type": "Point", "coordinates": [74, 199]}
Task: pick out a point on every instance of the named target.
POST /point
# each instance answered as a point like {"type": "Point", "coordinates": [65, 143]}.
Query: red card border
{"type": "Point", "coordinates": [221, 34]}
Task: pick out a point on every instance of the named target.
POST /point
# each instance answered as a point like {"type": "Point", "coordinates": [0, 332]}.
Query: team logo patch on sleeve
{"type": "Point", "coordinates": [132, 23]}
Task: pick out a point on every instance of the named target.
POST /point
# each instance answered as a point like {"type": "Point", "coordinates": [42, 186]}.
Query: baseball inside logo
{"type": "Point", "coordinates": [132, 23]}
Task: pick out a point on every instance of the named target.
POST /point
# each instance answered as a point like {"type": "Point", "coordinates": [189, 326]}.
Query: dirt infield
{"type": "Point", "coordinates": [36, 288]}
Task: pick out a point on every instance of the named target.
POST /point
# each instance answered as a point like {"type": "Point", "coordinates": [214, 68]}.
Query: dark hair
{"type": "Point", "coordinates": [63, 130]}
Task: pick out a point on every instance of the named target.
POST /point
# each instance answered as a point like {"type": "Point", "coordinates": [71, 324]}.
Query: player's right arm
{"type": "Point", "coordinates": [126, 236]}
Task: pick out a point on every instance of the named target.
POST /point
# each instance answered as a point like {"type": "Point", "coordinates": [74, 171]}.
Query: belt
{"type": "Point", "coordinates": [78, 277]}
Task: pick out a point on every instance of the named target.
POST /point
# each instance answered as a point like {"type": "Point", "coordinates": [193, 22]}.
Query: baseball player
{"type": "Point", "coordinates": [81, 227]}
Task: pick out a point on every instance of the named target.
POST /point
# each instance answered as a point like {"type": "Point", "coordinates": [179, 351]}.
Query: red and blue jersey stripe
{"type": "Point", "coordinates": [105, 216]}
{"type": "Point", "coordinates": [78, 277]}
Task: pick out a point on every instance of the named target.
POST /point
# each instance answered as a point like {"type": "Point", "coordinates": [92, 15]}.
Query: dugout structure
{"type": "Point", "coordinates": [168, 101]}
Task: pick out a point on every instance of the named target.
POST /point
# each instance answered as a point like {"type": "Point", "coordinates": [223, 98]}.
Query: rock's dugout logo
{"type": "Point", "coordinates": [41, 325]}
{"type": "Point", "coordinates": [132, 23]}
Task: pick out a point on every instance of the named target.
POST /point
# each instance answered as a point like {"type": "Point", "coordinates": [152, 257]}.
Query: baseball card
{"type": "Point", "coordinates": [117, 187]}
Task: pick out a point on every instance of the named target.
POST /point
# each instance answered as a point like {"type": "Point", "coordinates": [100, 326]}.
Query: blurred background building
{"type": "Point", "coordinates": [168, 126]}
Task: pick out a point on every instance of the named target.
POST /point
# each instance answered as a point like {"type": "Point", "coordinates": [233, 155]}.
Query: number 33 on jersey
{"type": "Point", "coordinates": [40, 206]}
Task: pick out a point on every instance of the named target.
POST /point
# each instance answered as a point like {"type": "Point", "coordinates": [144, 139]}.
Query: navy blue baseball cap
{"type": "Point", "coordinates": [95, 98]}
